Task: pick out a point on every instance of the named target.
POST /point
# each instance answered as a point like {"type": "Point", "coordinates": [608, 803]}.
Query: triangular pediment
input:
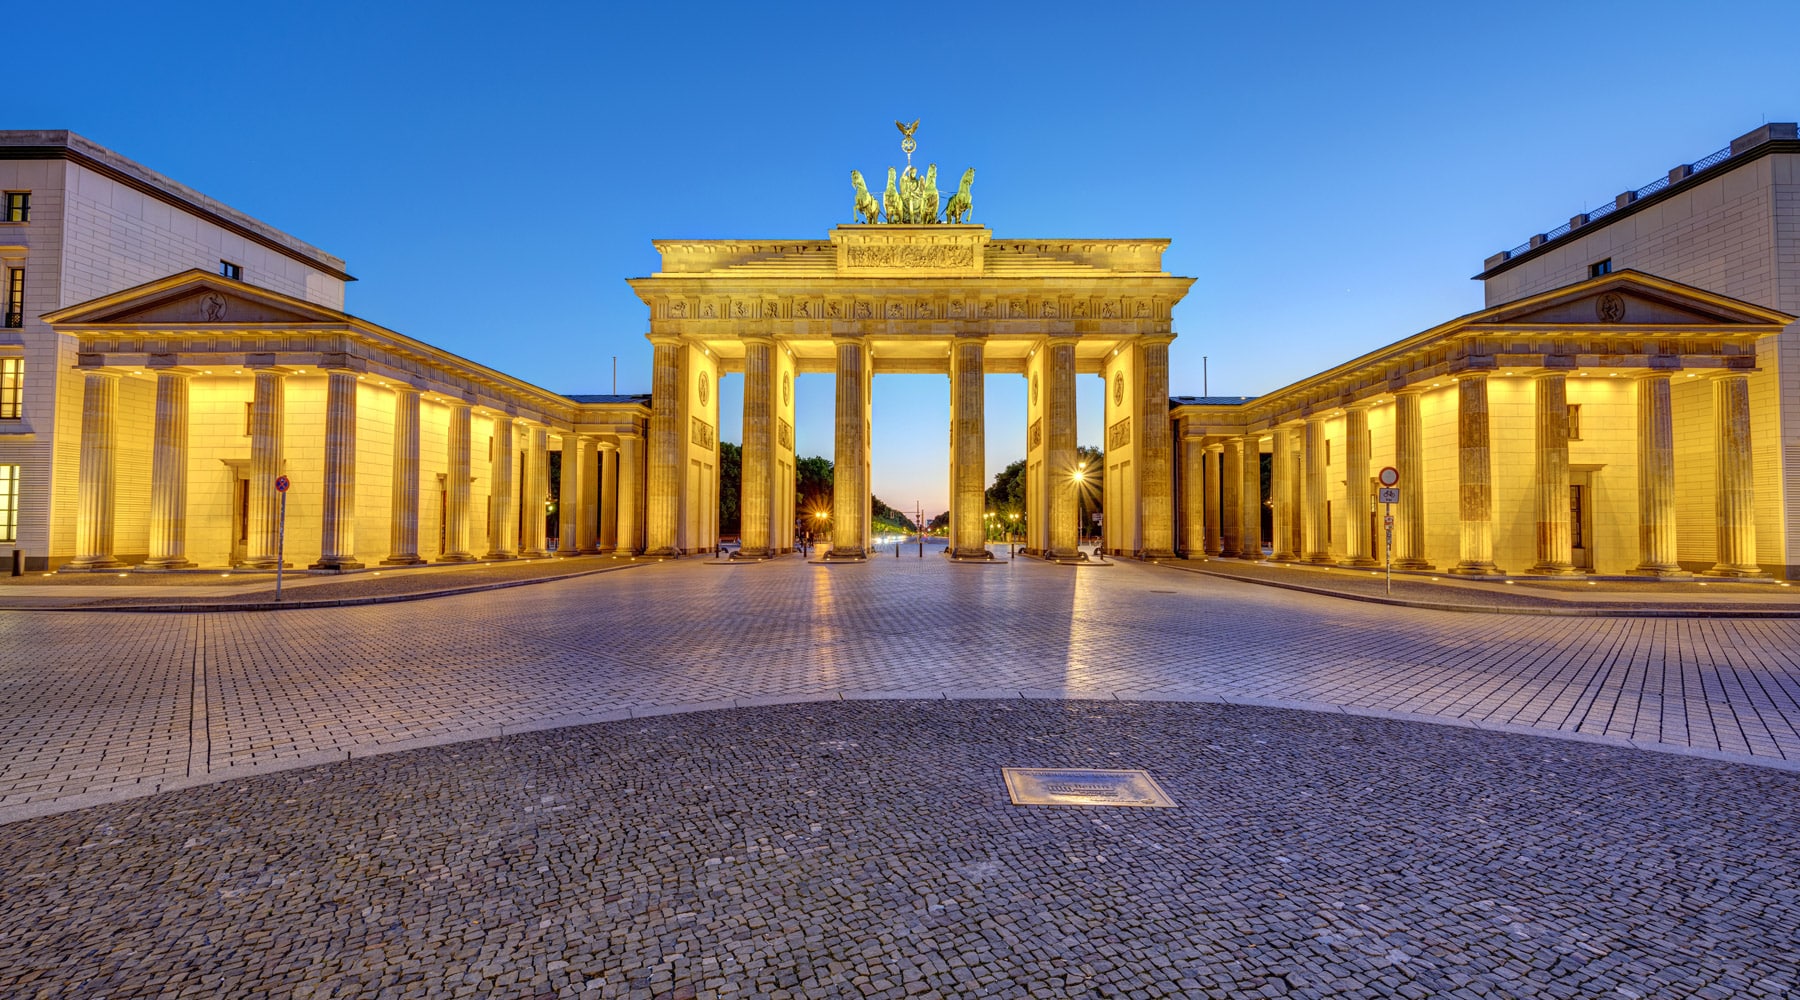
{"type": "Point", "coordinates": [195, 298]}
{"type": "Point", "coordinates": [1630, 299]}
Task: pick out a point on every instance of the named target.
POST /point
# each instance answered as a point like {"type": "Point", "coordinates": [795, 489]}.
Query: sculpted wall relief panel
{"type": "Point", "coordinates": [702, 434]}
{"type": "Point", "coordinates": [1119, 434]}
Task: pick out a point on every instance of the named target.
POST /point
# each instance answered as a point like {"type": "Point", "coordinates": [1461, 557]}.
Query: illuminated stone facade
{"type": "Point", "coordinates": [1635, 421]}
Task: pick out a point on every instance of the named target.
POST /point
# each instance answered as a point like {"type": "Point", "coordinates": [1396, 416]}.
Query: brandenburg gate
{"type": "Point", "coordinates": [911, 294]}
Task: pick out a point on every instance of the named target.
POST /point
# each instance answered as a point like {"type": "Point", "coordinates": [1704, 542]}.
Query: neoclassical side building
{"type": "Point", "coordinates": [1627, 403]}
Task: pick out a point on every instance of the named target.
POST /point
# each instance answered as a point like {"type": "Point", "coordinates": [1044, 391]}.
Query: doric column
{"type": "Point", "coordinates": [457, 475]}
{"type": "Point", "coordinates": [1231, 482]}
{"type": "Point", "coordinates": [1554, 554]}
{"type": "Point", "coordinates": [631, 494]}
{"type": "Point", "coordinates": [1193, 498]}
{"type": "Point", "coordinates": [1474, 476]}
{"type": "Point", "coordinates": [503, 523]}
{"type": "Point", "coordinates": [849, 482]}
{"type": "Point", "coordinates": [267, 419]}
{"type": "Point", "coordinates": [98, 472]}
{"type": "Point", "coordinates": [1736, 487]}
{"type": "Point", "coordinates": [168, 474]}
{"type": "Point", "coordinates": [756, 490]}
{"type": "Point", "coordinates": [1155, 453]}
{"type": "Point", "coordinates": [968, 472]}
{"type": "Point", "coordinates": [403, 509]}
{"type": "Point", "coordinates": [1656, 479]}
{"type": "Point", "coordinates": [587, 518]}
{"type": "Point", "coordinates": [533, 545]}
{"type": "Point", "coordinates": [1358, 547]}
{"type": "Point", "coordinates": [1409, 461]}
{"type": "Point", "coordinates": [609, 496]}
{"type": "Point", "coordinates": [667, 458]}
{"type": "Point", "coordinates": [1062, 537]}
{"type": "Point", "coordinates": [1215, 538]}
{"type": "Point", "coordinates": [1281, 495]}
{"type": "Point", "coordinates": [1313, 519]}
{"type": "Point", "coordinates": [1250, 499]}
{"type": "Point", "coordinates": [337, 534]}
{"type": "Point", "coordinates": [569, 497]}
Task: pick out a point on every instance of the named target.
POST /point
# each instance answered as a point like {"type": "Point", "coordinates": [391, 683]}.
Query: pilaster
{"type": "Point", "coordinates": [98, 472]}
{"type": "Point", "coordinates": [1358, 547]}
{"type": "Point", "coordinates": [1474, 477]}
{"type": "Point", "coordinates": [1736, 484]}
{"type": "Point", "coordinates": [403, 509]}
{"type": "Point", "coordinates": [1656, 479]}
{"type": "Point", "coordinates": [457, 477]}
{"type": "Point", "coordinates": [337, 537]}
{"type": "Point", "coordinates": [168, 474]}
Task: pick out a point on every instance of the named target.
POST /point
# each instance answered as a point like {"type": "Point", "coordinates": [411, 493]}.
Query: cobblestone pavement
{"type": "Point", "coordinates": [869, 849]}
{"type": "Point", "coordinates": [94, 707]}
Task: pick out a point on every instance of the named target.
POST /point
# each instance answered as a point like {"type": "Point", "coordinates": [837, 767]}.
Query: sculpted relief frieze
{"type": "Point", "coordinates": [702, 435]}
{"type": "Point", "coordinates": [1119, 434]}
{"type": "Point", "coordinates": [910, 255]}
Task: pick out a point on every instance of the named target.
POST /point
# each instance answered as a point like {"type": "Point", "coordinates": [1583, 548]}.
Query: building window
{"type": "Point", "coordinates": [1602, 267]}
{"type": "Point", "coordinates": [16, 207]}
{"type": "Point", "coordinates": [233, 271]}
{"type": "Point", "coordinates": [15, 298]}
{"type": "Point", "coordinates": [9, 503]}
{"type": "Point", "coordinates": [1574, 421]}
{"type": "Point", "coordinates": [12, 388]}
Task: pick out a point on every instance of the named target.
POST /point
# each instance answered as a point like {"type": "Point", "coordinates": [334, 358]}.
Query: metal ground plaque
{"type": "Point", "coordinates": [1062, 786]}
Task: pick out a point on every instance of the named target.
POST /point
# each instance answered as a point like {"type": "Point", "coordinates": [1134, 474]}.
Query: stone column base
{"type": "Point", "coordinates": [455, 557]}
{"type": "Point", "coordinates": [1158, 554]}
{"type": "Point", "coordinates": [336, 565]}
{"type": "Point", "coordinates": [978, 555]}
{"type": "Point", "coordinates": [752, 555]}
{"type": "Point", "coordinates": [159, 565]}
{"type": "Point", "coordinates": [1475, 569]}
{"type": "Point", "coordinates": [1361, 562]}
{"type": "Point", "coordinates": [1555, 569]}
{"type": "Point", "coordinates": [403, 561]}
{"type": "Point", "coordinates": [1320, 559]}
{"type": "Point", "coordinates": [499, 556]}
{"type": "Point", "coordinates": [1414, 566]}
{"type": "Point", "coordinates": [1663, 572]}
{"type": "Point", "coordinates": [1737, 572]}
{"type": "Point", "coordinates": [844, 555]}
{"type": "Point", "coordinates": [534, 554]}
{"type": "Point", "coordinates": [91, 567]}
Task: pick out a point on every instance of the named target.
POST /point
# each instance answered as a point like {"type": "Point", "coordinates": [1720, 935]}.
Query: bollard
{"type": "Point", "coordinates": [18, 563]}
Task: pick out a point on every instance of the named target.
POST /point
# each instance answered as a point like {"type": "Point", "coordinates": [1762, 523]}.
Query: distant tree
{"type": "Point", "coordinates": [1090, 493]}
{"type": "Point", "coordinates": [938, 523]}
{"type": "Point", "coordinates": [887, 518]}
{"type": "Point", "coordinates": [812, 485]}
{"type": "Point", "coordinates": [731, 464]}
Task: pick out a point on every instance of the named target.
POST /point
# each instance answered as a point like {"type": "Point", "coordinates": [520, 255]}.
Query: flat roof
{"type": "Point", "coordinates": [61, 144]}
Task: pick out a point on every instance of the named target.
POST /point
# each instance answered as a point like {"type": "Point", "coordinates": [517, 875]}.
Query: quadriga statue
{"type": "Point", "coordinates": [961, 203]}
{"type": "Point", "coordinates": [866, 205]}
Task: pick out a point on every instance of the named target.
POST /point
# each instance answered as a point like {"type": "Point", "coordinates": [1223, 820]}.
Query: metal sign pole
{"type": "Point", "coordinates": [280, 544]}
{"type": "Point", "coordinates": [1388, 552]}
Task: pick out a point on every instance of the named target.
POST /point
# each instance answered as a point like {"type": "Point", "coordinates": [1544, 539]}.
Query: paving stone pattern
{"type": "Point", "coordinates": [120, 703]}
{"type": "Point", "coordinates": [868, 849]}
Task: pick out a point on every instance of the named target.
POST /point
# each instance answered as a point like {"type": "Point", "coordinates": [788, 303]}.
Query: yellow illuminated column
{"type": "Point", "coordinates": [536, 492]}
{"type": "Point", "coordinates": [1155, 452]}
{"type": "Point", "coordinates": [1554, 540]}
{"type": "Point", "coordinates": [98, 472]}
{"type": "Point", "coordinates": [1250, 499]}
{"type": "Point", "coordinates": [503, 526]}
{"type": "Point", "coordinates": [757, 493]}
{"type": "Point", "coordinates": [569, 497]}
{"type": "Point", "coordinates": [1656, 479]}
{"type": "Point", "coordinates": [1281, 495]}
{"type": "Point", "coordinates": [968, 425]}
{"type": "Point", "coordinates": [168, 474]}
{"type": "Point", "coordinates": [1474, 477]}
{"type": "Point", "coordinates": [1193, 498]}
{"type": "Point", "coordinates": [1358, 550]}
{"type": "Point", "coordinates": [849, 483]}
{"type": "Point", "coordinates": [631, 493]}
{"type": "Point", "coordinates": [1060, 451]}
{"type": "Point", "coordinates": [1231, 483]}
{"type": "Point", "coordinates": [1215, 539]}
{"type": "Point", "coordinates": [587, 524]}
{"type": "Point", "coordinates": [667, 449]}
{"type": "Point", "coordinates": [1736, 486]}
{"type": "Point", "coordinates": [608, 539]}
{"type": "Point", "coordinates": [403, 510]}
{"type": "Point", "coordinates": [337, 536]}
{"type": "Point", "coordinates": [267, 419]}
{"type": "Point", "coordinates": [1313, 526]}
{"type": "Point", "coordinates": [457, 476]}
{"type": "Point", "coordinates": [1409, 461]}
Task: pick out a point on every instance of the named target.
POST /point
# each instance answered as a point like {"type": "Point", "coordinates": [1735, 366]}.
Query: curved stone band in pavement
{"type": "Point", "coordinates": [869, 850]}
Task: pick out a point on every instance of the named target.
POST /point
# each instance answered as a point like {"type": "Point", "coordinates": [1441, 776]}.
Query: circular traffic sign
{"type": "Point", "coordinates": [1389, 476]}
{"type": "Point", "coordinates": [281, 484]}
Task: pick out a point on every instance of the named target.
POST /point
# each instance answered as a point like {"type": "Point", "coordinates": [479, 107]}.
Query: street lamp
{"type": "Point", "coordinates": [1012, 534]}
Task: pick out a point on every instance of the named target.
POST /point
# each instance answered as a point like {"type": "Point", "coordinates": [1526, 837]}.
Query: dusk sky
{"type": "Point", "coordinates": [1330, 174]}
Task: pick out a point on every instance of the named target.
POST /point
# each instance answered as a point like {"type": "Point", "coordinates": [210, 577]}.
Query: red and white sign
{"type": "Point", "coordinates": [1389, 476]}
{"type": "Point", "coordinates": [281, 484]}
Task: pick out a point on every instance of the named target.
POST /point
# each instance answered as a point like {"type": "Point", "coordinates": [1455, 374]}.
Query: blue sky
{"type": "Point", "coordinates": [1330, 174]}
